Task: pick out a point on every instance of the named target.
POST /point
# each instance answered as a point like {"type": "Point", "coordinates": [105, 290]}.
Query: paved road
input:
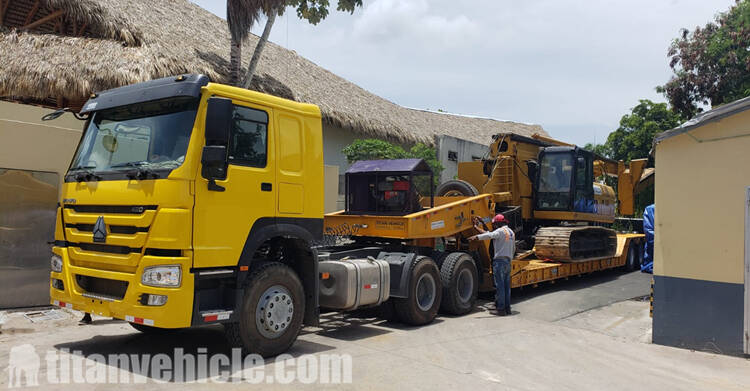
{"type": "Point", "coordinates": [559, 300]}
{"type": "Point", "coordinates": [552, 343]}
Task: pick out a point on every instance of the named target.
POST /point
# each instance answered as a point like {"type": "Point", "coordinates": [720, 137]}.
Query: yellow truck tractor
{"type": "Point", "coordinates": [190, 203]}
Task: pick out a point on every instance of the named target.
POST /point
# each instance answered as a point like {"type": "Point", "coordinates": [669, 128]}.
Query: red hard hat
{"type": "Point", "coordinates": [499, 218]}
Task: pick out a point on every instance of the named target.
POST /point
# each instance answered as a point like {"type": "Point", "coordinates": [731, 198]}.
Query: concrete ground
{"type": "Point", "coordinates": [590, 333]}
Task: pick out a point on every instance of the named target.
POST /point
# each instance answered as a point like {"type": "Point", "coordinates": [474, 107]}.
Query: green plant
{"type": "Point", "coordinates": [373, 149]}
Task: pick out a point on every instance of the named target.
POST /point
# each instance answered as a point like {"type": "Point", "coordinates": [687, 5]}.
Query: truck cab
{"type": "Point", "coordinates": [183, 193]}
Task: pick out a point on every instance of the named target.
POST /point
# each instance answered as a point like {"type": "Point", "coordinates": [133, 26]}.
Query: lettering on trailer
{"type": "Point", "coordinates": [342, 230]}
{"type": "Point", "coordinates": [460, 219]}
{"type": "Point", "coordinates": [437, 224]}
{"type": "Point", "coordinates": [390, 225]}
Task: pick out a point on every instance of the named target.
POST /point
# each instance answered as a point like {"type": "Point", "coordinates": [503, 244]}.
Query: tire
{"type": "Point", "coordinates": [456, 188]}
{"type": "Point", "coordinates": [438, 257]}
{"type": "Point", "coordinates": [631, 262]}
{"type": "Point", "coordinates": [149, 329]}
{"type": "Point", "coordinates": [460, 284]}
{"type": "Point", "coordinates": [425, 293]}
{"type": "Point", "coordinates": [259, 328]}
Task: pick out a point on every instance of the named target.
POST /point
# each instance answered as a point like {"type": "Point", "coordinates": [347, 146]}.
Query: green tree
{"type": "Point", "coordinates": [634, 138]}
{"type": "Point", "coordinates": [711, 63]}
{"type": "Point", "coordinates": [373, 149]}
{"type": "Point", "coordinates": [243, 14]}
{"type": "Point", "coordinates": [599, 149]}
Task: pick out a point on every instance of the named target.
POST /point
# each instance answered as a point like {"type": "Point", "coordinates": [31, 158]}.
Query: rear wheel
{"type": "Point", "coordinates": [425, 293]}
{"type": "Point", "coordinates": [631, 262]}
{"type": "Point", "coordinates": [271, 313]}
{"type": "Point", "coordinates": [456, 188]}
{"type": "Point", "coordinates": [460, 284]}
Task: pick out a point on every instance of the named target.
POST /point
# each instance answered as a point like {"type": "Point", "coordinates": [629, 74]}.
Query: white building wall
{"type": "Point", "coordinates": [452, 150]}
{"type": "Point", "coordinates": [336, 139]}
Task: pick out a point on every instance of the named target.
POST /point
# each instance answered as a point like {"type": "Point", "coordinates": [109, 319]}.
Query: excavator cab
{"type": "Point", "coordinates": [564, 181]}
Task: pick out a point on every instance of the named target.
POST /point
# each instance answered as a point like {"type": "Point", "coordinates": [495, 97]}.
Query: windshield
{"type": "Point", "coordinates": [150, 135]}
{"type": "Point", "coordinates": [555, 178]}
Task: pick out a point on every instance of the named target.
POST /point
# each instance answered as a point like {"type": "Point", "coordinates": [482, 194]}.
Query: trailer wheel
{"type": "Point", "coordinates": [271, 312]}
{"type": "Point", "coordinates": [631, 262]}
{"type": "Point", "coordinates": [456, 188]}
{"type": "Point", "coordinates": [460, 283]}
{"type": "Point", "coordinates": [425, 293]}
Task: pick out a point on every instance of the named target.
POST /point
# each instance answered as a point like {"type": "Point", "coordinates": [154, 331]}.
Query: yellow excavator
{"type": "Point", "coordinates": [552, 193]}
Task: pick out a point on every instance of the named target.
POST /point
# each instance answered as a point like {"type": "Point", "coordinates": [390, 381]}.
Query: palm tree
{"type": "Point", "coordinates": [241, 16]}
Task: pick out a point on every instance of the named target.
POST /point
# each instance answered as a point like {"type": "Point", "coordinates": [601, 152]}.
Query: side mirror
{"type": "Point", "coordinates": [55, 114]}
{"type": "Point", "coordinates": [218, 121]}
{"type": "Point", "coordinates": [214, 162]}
{"type": "Point", "coordinates": [533, 171]}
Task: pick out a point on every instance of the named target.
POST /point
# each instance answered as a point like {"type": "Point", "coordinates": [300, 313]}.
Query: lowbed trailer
{"type": "Point", "coordinates": [423, 228]}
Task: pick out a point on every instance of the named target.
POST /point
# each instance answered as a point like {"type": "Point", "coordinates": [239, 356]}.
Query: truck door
{"type": "Point", "coordinates": [222, 219]}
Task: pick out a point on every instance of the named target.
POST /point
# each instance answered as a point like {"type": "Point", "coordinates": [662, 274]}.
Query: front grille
{"type": "Point", "coordinates": [111, 209]}
{"type": "Point", "coordinates": [106, 248]}
{"type": "Point", "coordinates": [103, 286]}
{"type": "Point", "coordinates": [115, 229]}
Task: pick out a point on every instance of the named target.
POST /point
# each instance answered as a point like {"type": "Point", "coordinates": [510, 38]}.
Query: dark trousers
{"type": "Point", "coordinates": [501, 273]}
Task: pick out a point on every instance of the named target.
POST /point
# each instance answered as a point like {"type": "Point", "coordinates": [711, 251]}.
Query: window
{"type": "Point", "coordinates": [249, 137]}
{"type": "Point", "coordinates": [555, 178]}
{"type": "Point", "coordinates": [151, 135]}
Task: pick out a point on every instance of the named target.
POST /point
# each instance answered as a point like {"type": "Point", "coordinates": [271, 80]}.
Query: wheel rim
{"type": "Point", "coordinates": [274, 312]}
{"type": "Point", "coordinates": [465, 285]}
{"type": "Point", "coordinates": [453, 193]}
{"type": "Point", "coordinates": [425, 292]}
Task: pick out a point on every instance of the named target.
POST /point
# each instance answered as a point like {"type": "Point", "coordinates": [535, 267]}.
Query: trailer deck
{"type": "Point", "coordinates": [525, 272]}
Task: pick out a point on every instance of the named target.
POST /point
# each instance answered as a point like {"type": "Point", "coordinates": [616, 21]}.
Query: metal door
{"type": "Point", "coordinates": [28, 203]}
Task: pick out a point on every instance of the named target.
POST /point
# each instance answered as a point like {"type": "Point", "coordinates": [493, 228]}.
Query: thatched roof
{"type": "Point", "coordinates": [70, 48]}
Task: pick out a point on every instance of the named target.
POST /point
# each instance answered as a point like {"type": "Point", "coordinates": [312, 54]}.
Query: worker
{"type": "Point", "coordinates": [504, 243]}
{"type": "Point", "coordinates": [648, 246]}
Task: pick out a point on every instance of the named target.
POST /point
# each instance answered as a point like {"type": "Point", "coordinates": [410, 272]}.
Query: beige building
{"type": "Point", "coordinates": [702, 235]}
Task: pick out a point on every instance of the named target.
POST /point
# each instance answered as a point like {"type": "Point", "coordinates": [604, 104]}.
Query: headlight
{"type": "Point", "coordinates": [56, 263]}
{"type": "Point", "coordinates": [162, 276]}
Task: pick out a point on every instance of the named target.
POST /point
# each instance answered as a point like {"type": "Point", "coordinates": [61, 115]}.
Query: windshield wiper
{"type": "Point", "coordinates": [129, 164]}
{"type": "Point", "coordinates": [139, 173]}
{"type": "Point", "coordinates": [76, 168]}
{"type": "Point", "coordinates": [84, 173]}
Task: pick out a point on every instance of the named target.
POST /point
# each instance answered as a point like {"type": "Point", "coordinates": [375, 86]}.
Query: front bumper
{"type": "Point", "coordinates": [175, 313]}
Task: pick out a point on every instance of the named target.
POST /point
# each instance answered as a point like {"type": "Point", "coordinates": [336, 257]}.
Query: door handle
{"type": "Point", "coordinates": [265, 186]}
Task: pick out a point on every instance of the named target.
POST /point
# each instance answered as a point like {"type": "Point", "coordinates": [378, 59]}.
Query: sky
{"type": "Point", "coordinates": [573, 66]}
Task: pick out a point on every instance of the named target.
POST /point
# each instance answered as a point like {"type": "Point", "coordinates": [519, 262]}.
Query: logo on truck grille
{"type": "Point", "coordinates": [100, 230]}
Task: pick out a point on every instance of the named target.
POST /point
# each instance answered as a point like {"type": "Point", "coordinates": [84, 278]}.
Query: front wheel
{"type": "Point", "coordinates": [271, 312]}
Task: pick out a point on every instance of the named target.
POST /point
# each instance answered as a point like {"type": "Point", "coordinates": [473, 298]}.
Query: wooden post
{"type": "Point", "coordinates": [32, 12]}
{"type": "Point", "coordinates": [43, 20]}
{"type": "Point", "coordinates": [82, 29]}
